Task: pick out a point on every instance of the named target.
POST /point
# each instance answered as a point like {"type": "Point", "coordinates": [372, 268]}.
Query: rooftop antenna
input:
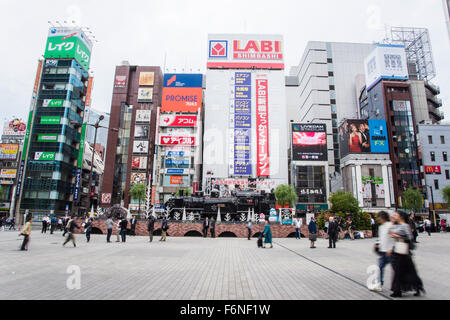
{"type": "Point", "coordinates": [165, 58]}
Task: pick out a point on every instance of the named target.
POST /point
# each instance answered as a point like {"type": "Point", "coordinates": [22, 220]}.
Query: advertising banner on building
{"type": "Point", "coordinates": [47, 137]}
{"type": "Point", "coordinates": [169, 140]}
{"type": "Point", "coordinates": [8, 173]}
{"type": "Point", "coordinates": [138, 178]}
{"type": "Point", "coordinates": [177, 163]}
{"type": "Point", "coordinates": [146, 78]}
{"type": "Point", "coordinates": [145, 95]}
{"type": "Point", "coordinates": [176, 181]}
{"type": "Point", "coordinates": [177, 171]}
{"type": "Point", "coordinates": [387, 61]}
{"type": "Point", "coordinates": [309, 142]}
{"type": "Point", "coordinates": [50, 120]}
{"type": "Point", "coordinates": [65, 42]}
{"type": "Point", "coordinates": [183, 80]}
{"type": "Point", "coordinates": [177, 152]}
{"type": "Point", "coordinates": [363, 136]}
{"type": "Point", "coordinates": [226, 185]}
{"type": "Point", "coordinates": [433, 169]}
{"type": "Point", "coordinates": [141, 131]}
{"type": "Point", "coordinates": [241, 124]}
{"type": "Point", "coordinates": [44, 156]}
{"type": "Point", "coordinates": [15, 128]}
{"type": "Point", "coordinates": [87, 102]}
{"type": "Point", "coordinates": [52, 103]}
{"type": "Point", "coordinates": [120, 81]}
{"type": "Point", "coordinates": [245, 51]}
{"type": "Point", "coordinates": [181, 99]}
{"type": "Point", "coordinates": [262, 128]}
{"type": "Point", "coordinates": [172, 120]}
{"type": "Point", "coordinates": [76, 190]}
{"type": "Point", "coordinates": [106, 198]}
{"type": "Point", "coordinates": [8, 151]}
{"type": "Point", "coordinates": [143, 116]}
{"type": "Point", "coordinates": [140, 146]}
{"type": "Point", "coordinates": [139, 163]}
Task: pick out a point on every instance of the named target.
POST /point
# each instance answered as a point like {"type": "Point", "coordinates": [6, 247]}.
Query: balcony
{"type": "Point", "coordinates": [436, 101]}
{"type": "Point", "coordinates": [433, 88]}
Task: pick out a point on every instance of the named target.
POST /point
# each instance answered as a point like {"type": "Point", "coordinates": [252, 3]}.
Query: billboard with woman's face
{"type": "Point", "coordinates": [309, 142]}
{"type": "Point", "coordinates": [363, 136]}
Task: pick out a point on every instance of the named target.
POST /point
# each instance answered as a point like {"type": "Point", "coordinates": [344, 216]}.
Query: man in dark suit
{"type": "Point", "coordinates": [123, 229]}
{"type": "Point", "coordinates": [133, 226]}
{"type": "Point", "coordinates": [205, 227]}
{"type": "Point", "coordinates": [333, 231]}
{"type": "Point", "coordinates": [151, 227]}
{"type": "Point", "coordinates": [213, 228]}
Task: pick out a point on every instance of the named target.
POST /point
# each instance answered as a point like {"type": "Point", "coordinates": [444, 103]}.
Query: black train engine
{"type": "Point", "coordinates": [232, 209]}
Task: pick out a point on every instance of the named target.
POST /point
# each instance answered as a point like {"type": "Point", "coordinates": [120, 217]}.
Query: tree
{"type": "Point", "coordinates": [344, 202]}
{"type": "Point", "coordinates": [137, 192]}
{"type": "Point", "coordinates": [446, 194]}
{"type": "Point", "coordinates": [412, 199]}
{"type": "Point", "coordinates": [285, 194]}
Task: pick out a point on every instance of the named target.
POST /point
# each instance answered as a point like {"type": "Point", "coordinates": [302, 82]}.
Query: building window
{"type": "Point", "coordinates": [433, 157]}
{"type": "Point", "coordinates": [444, 155]}
{"type": "Point", "coordinates": [330, 74]}
{"type": "Point", "coordinates": [436, 184]}
{"type": "Point", "coordinates": [442, 140]}
{"type": "Point", "coordinates": [447, 174]}
{"type": "Point", "coordinates": [430, 139]}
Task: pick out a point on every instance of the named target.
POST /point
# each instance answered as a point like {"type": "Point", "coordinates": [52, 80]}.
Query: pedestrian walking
{"type": "Point", "coordinates": [205, 227]}
{"type": "Point", "coordinates": [88, 228]}
{"type": "Point", "coordinates": [213, 227]}
{"type": "Point", "coordinates": [405, 274]}
{"type": "Point", "coordinates": [383, 247]}
{"type": "Point", "coordinates": [12, 224]}
{"type": "Point", "coordinates": [118, 221]}
{"type": "Point", "coordinates": [133, 226]}
{"type": "Point", "coordinates": [312, 228]}
{"type": "Point", "coordinates": [267, 235]}
{"type": "Point", "coordinates": [374, 226]}
{"type": "Point", "coordinates": [123, 229]}
{"type": "Point", "coordinates": [151, 227]}
{"type": "Point", "coordinates": [442, 223]}
{"type": "Point", "coordinates": [53, 224]}
{"type": "Point", "coordinates": [109, 227]}
{"type": "Point", "coordinates": [1, 224]}
{"type": "Point", "coordinates": [412, 224]}
{"type": "Point", "coordinates": [350, 228]}
{"type": "Point", "coordinates": [26, 232]}
{"type": "Point", "coordinates": [249, 229]}
{"type": "Point", "coordinates": [298, 225]}
{"type": "Point", "coordinates": [427, 224]}
{"type": "Point", "coordinates": [60, 224]}
{"type": "Point", "coordinates": [71, 226]}
{"type": "Point", "coordinates": [65, 222]}
{"type": "Point", "coordinates": [164, 228]}
{"type": "Point", "coordinates": [44, 225]}
{"type": "Point", "coordinates": [333, 231]}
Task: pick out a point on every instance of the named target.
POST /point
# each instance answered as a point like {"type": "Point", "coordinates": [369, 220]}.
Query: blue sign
{"type": "Point", "coordinates": [183, 80]}
{"type": "Point", "coordinates": [173, 162]}
{"type": "Point", "coordinates": [243, 79]}
{"type": "Point", "coordinates": [19, 178]}
{"type": "Point", "coordinates": [242, 106]}
{"type": "Point", "coordinates": [242, 136]}
{"type": "Point", "coordinates": [243, 92]}
{"type": "Point", "coordinates": [378, 136]}
{"type": "Point", "coordinates": [175, 171]}
{"type": "Point", "coordinates": [242, 167]}
{"type": "Point", "coordinates": [175, 153]}
{"type": "Point", "coordinates": [76, 192]}
{"type": "Point", "coordinates": [242, 121]}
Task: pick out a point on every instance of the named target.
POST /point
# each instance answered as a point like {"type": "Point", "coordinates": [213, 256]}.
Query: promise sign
{"type": "Point", "coordinates": [262, 128]}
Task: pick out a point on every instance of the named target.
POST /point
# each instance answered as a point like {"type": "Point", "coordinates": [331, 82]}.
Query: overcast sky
{"type": "Point", "coordinates": [143, 31]}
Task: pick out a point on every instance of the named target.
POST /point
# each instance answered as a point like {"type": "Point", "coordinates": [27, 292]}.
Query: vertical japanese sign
{"type": "Point", "coordinates": [242, 123]}
{"type": "Point", "coordinates": [262, 128]}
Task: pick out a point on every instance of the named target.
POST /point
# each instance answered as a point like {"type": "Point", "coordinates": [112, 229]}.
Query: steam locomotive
{"type": "Point", "coordinates": [234, 208]}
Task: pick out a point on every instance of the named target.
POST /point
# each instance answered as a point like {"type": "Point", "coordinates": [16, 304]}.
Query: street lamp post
{"type": "Point", "coordinates": [434, 208]}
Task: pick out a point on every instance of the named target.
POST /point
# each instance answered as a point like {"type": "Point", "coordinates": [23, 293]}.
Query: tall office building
{"type": "Point", "coordinates": [326, 91]}
{"type": "Point", "coordinates": [132, 128]}
{"type": "Point", "coordinates": [244, 142]}
{"type": "Point", "coordinates": [54, 139]}
{"type": "Point", "coordinates": [446, 4]}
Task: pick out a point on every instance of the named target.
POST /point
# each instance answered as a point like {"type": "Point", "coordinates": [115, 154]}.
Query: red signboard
{"type": "Point", "coordinates": [262, 128]}
{"type": "Point", "coordinates": [176, 179]}
{"type": "Point", "coordinates": [257, 50]}
{"type": "Point", "coordinates": [433, 169]}
{"type": "Point", "coordinates": [170, 120]}
{"type": "Point", "coordinates": [181, 99]}
{"type": "Point", "coordinates": [166, 140]}
{"type": "Point", "coordinates": [89, 92]}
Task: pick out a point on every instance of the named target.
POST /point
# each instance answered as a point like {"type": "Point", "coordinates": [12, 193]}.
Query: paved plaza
{"type": "Point", "coordinates": [203, 269]}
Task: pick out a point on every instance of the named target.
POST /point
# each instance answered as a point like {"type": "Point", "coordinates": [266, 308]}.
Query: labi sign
{"type": "Point", "coordinates": [68, 46]}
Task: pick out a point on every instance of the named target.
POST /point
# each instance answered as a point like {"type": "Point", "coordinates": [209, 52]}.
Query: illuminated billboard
{"type": "Point", "coordinates": [363, 136]}
{"type": "Point", "coordinates": [8, 151]}
{"type": "Point", "coordinates": [309, 142]}
{"type": "Point", "coordinates": [181, 99]}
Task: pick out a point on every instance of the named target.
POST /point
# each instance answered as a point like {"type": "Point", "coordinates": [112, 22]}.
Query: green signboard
{"type": "Point", "coordinates": [47, 138]}
{"type": "Point", "coordinates": [311, 206]}
{"type": "Point", "coordinates": [51, 103]}
{"type": "Point", "coordinates": [83, 138]}
{"type": "Point", "coordinates": [44, 156]}
{"type": "Point", "coordinates": [50, 120]}
{"type": "Point", "coordinates": [68, 46]}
